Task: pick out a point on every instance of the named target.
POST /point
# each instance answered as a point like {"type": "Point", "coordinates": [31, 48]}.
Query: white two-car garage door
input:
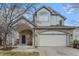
{"type": "Point", "coordinates": [52, 38]}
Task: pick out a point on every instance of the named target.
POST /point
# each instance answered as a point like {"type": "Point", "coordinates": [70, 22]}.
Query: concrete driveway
{"type": "Point", "coordinates": [58, 51]}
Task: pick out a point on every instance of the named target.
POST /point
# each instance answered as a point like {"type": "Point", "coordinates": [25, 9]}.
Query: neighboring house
{"type": "Point", "coordinates": [47, 29]}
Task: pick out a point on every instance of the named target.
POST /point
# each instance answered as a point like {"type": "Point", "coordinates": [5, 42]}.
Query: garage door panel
{"type": "Point", "coordinates": [52, 40]}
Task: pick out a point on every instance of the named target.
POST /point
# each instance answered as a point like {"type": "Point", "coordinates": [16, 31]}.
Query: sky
{"type": "Point", "coordinates": [71, 18]}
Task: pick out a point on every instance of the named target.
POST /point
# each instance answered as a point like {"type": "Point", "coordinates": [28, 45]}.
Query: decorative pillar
{"type": "Point", "coordinates": [33, 38]}
{"type": "Point", "coordinates": [68, 39]}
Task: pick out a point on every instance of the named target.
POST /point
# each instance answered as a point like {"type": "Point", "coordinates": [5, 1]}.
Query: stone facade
{"type": "Point", "coordinates": [28, 34]}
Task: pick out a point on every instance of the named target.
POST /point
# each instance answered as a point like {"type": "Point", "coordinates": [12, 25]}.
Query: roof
{"type": "Point", "coordinates": [46, 27]}
{"type": "Point", "coordinates": [51, 27]}
{"type": "Point", "coordinates": [25, 20]}
{"type": "Point", "coordinates": [51, 11]}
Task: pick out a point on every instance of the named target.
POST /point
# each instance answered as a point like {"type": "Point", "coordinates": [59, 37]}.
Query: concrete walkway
{"type": "Point", "coordinates": [58, 51]}
{"type": "Point", "coordinates": [51, 51]}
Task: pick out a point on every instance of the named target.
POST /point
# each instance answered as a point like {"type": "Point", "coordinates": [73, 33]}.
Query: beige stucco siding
{"type": "Point", "coordinates": [63, 30]}
{"type": "Point", "coordinates": [45, 18]}
{"type": "Point", "coordinates": [58, 18]}
{"type": "Point", "coordinates": [55, 20]}
{"type": "Point", "coordinates": [76, 34]}
{"type": "Point", "coordinates": [40, 21]}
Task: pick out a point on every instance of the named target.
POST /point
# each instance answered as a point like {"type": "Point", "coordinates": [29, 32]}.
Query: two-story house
{"type": "Point", "coordinates": [47, 29]}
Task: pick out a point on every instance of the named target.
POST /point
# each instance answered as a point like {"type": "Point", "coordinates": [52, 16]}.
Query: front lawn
{"type": "Point", "coordinates": [11, 53]}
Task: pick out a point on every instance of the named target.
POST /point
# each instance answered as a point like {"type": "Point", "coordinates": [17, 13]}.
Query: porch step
{"type": "Point", "coordinates": [24, 47]}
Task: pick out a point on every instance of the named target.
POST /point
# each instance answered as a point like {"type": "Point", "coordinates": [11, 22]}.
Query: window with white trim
{"type": "Point", "coordinates": [43, 16]}
{"type": "Point", "coordinates": [60, 22]}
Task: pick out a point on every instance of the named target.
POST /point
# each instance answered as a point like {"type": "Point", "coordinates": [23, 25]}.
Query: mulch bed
{"type": "Point", "coordinates": [8, 48]}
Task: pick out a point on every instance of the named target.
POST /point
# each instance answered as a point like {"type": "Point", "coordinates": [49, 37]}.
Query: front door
{"type": "Point", "coordinates": [23, 39]}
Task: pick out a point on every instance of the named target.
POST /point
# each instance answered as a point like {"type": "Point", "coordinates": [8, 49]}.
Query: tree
{"type": "Point", "coordinates": [9, 13]}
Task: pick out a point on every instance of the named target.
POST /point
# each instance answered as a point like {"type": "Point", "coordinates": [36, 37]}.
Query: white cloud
{"type": "Point", "coordinates": [72, 22]}
{"type": "Point", "coordinates": [76, 22]}
{"type": "Point", "coordinates": [71, 8]}
{"type": "Point", "coordinates": [70, 11]}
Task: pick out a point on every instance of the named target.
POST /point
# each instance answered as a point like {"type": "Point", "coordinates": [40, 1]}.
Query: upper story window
{"type": "Point", "coordinates": [43, 16]}
{"type": "Point", "coordinates": [60, 22]}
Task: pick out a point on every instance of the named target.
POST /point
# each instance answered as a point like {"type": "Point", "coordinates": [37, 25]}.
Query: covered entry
{"type": "Point", "coordinates": [26, 37]}
{"type": "Point", "coordinates": [25, 33]}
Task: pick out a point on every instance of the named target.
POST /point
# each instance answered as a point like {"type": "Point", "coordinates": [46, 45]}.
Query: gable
{"type": "Point", "coordinates": [43, 15]}
{"type": "Point", "coordinates": [46, 10]}
{"type": "Point", "coordinates": [52, 11]}
{"type": "Point", "coordinates": [23, 20]}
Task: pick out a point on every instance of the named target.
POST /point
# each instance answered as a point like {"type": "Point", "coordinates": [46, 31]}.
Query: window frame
{"type": "Point", "coordinates": [60, 22]}
{"type": "Point", "coordinates": [41, 15]}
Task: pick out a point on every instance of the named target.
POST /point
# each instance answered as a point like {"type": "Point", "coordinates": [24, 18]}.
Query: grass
{"type": "Point", "coordinates": [12, 53]}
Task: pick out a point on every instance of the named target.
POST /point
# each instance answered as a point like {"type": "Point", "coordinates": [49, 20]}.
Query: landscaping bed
{"type": "Point", "coordinates": [12, 53]}
{"type": "Point", "coordinates": [6, 49]}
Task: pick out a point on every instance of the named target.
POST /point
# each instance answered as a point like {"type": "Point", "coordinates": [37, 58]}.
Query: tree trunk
{"type": "Point", "coordinates": [4, 41]}
{"type": "Point", "coordinates": [4, 44]}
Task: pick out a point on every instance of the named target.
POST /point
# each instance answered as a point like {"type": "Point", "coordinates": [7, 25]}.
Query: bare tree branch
{"type": "Point", "coordinates": [9, 14]}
